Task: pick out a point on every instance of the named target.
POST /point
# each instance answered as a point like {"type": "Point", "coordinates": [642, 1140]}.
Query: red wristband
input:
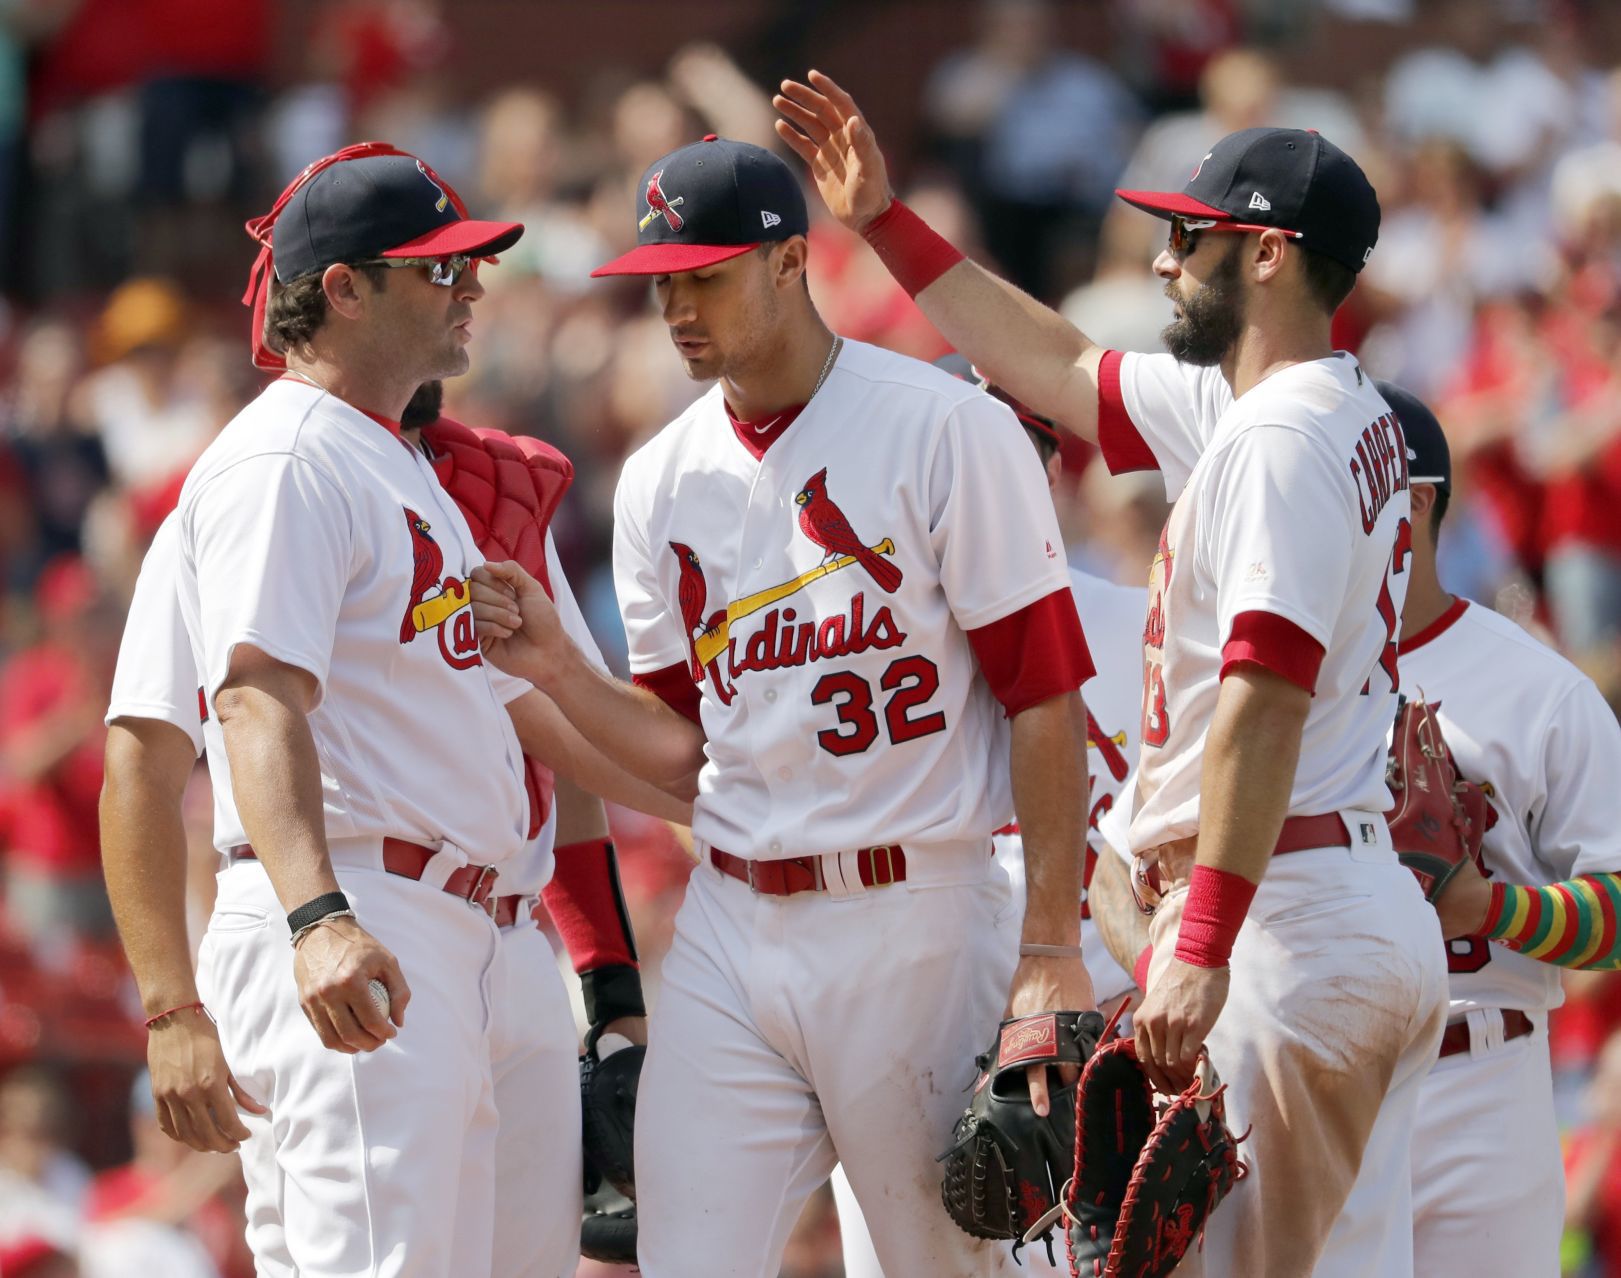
{"type": "Point", "coordinates": [912, 251]}
{"type": "Point", "coordinates": [1217, 903]}
{"type": "Point", "coordinates": [184, 1007]}
{"type": "Point", "coordinates": [1139, 969]}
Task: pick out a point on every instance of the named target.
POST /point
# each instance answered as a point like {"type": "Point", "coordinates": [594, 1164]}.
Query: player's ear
{"type": "Point", "coordinates": [1269, 254]}
{"type": "Point", "coordinates": [791, 261]}
{"type": "Point", "coordinates": [343, 287]}
{"type": "Point", "coordinates": [1423, 496]}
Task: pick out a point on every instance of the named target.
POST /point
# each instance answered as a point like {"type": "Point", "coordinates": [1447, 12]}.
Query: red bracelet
{"type": "Point", "coordinates": [909, 248]}
{"type": "Point", "coordinates": [1217, 902]}
{"type": "Point", "coordinates": [184, 1007]}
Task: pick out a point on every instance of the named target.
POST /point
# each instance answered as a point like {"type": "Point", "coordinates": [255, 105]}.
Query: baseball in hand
{"type": "Point", "coordinates": [379, 995]}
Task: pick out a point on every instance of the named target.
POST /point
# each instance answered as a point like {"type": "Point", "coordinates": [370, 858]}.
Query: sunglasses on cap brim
{"type": "Point", "coordinates": [444, 271]}
{"type": "Point", "coordinates": [1185, 231]}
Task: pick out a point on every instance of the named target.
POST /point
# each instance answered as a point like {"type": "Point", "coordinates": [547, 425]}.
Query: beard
{"type": "Point", "coordinates": [1212, 318]}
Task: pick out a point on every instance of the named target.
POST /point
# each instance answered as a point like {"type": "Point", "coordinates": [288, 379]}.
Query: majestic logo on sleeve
{"type": "Point", "coordinates": [782, 639]}
{"type": "Point", "coordinates": [658, 205]}
{"type": "Point", "coordinates": [438, 603]}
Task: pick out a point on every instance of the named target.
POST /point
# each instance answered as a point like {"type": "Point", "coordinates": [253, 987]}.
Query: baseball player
{"type": "Point", "coordinates": [1535, 733]}
{"type": "Point", "coordinates": [155, 734]}
{"type": "Point", "coordinates": [368, 782]}
{"type": "Point", "coordinates": [1287, 937]}
{"type": "Point", "coordinates": [1112, 617]}
{"type": "Point", "coordinates": [844, 630]}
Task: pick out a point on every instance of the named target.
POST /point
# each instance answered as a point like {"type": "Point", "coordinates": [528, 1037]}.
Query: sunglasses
{"type": "Point", "coordinates": [444, 271]}
{"type": "Point", "coordinates": [1185, 232]}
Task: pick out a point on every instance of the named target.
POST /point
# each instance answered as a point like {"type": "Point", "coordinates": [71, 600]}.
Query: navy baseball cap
{"type": "Point", "coordinates": [707, 203]}
{"type": "Point", "coordinates": [378, 206]}
{"type": "Point", "coordinates": [1429, 460]}
{"type": "Point", "coordinates": [1291, 179]}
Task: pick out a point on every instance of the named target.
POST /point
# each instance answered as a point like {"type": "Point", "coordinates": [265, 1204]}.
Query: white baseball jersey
{"type": "Point", "coordinates": [1112, 617]}
{"type": "Point", "coordinates": [1292, 520]}
{"type": "Point", "coordinates": [156, 677]}
{"type": "Point", "coordinates": [1535, 732]}
{"type": "Point", "coordinates": [821, 594]}
{"type": "Point", "coordinates": [321, 537]}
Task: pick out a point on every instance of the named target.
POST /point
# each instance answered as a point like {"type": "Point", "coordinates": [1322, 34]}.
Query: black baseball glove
{"type": "Point", "coordinates": [1147, 1174]}
{"type": "Point", "coordinates": [1006, 1166]}
{"type": "Point", "coordinates": [608, 1114]}
{"type": "Point", "coordinates": [608, 1228]}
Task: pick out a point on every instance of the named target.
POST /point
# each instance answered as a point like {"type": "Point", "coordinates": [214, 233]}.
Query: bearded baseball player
{"type": "Point", "coordinates": [1288, 940]}
{"type": "Point", "coordinates": [844, 633]}
{"type": "Point", "coordinates": [368, 782]}
{"type": "Point", "coordinates": [1112, 617]}
{"type": "Point", "coordinates": [154, 736]}
{"type": "Point", "coordinates": [1537, 735]}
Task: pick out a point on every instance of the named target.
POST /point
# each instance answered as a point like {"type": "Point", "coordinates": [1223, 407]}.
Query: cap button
{"type": "Point", "coordinates": [711, 137]}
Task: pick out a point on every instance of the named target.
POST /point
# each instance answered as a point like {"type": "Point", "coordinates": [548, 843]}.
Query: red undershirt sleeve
{"type": "Point", "coordinates": [1276, 643]}
{"type": "Point", "coordinates": [1034, 654]}
{"type": "Point", "coordinates": [1124, 448]}
{"type": "Point", "coordinates": [673, 685]}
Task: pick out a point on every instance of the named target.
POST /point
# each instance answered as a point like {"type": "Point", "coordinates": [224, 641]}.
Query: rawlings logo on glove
{"type": "Point", "coordinates": [1006, 1163]}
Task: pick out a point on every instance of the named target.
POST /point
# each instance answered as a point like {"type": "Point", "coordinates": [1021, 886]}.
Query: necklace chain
{"type": "Point", "coordinates": [827, 367]}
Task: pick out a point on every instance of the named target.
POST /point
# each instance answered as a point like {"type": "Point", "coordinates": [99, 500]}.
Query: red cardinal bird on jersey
{"type": "Point", "coordinates": [693, 592]}
{"type": "Point", "coordinates": [825, 524]}
{"type": "Point", "coordinates": [429, 563]}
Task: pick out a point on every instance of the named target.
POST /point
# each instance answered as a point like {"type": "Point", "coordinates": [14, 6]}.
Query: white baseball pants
{"type": "Point", "coordinates": [1488, 1183]}
{"type": "Point", "coordinates": [795, 1032]}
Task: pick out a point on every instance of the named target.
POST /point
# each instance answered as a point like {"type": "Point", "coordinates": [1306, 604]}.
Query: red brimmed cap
{"type": "Point", "coordinates": [709, 202]}
{"type": "Point", "coordinates": [1293, 179]}
{"type": "Point", "coordinates": [377, 206]}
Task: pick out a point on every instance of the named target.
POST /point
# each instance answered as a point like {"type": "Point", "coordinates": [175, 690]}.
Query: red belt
{"type": "Point", "coordinates": [472, 882]}
{"type": "Point", "coordinates": [507, 910]}
{"type": "Point", "coordinates": [1516, 1024]}
{"type": "Point", "coordinates": [1299, 834]}
{"type": "Point", "coordinates": [877, 866]}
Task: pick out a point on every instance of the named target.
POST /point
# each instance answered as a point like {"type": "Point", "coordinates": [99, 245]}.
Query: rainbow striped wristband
{"type": "Point", "coordinates": [1571, 924]}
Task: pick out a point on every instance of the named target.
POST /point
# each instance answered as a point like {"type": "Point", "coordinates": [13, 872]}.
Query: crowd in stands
{"type": "Point", "coordinates": [1491, 128]}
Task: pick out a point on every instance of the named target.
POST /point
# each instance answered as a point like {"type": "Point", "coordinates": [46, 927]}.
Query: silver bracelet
{"type": "Point", "coordinates": [1028, 950]}
{"type": "Point", "coordinates": [325, 918]}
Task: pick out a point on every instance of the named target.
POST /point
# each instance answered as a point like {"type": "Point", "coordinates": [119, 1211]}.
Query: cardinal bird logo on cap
{"type": "Point", "coordinates": [659, 206]}
{"type": "Point", "coordinates": [825, 524]}
{"type": "Point", "coordinates": [448, 612]}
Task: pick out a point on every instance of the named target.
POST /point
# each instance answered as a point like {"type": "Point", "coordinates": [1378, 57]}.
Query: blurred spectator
{"type": "Point", "coordinates": [523, 154]}
{"type": "Point", "coordinates": [42, 1185]}
{"type": "Point", "coordinates": [161, 1213]}
{"type": "Point", "coordinates": [1441, 251]}
{"type": "Point", "coordinates": [1593, 1164]}
{"type": "Point", "coordinates": [1037, 133]}
{"type": "Point", "coordinates": [34, 1257]}
{"type": "Point", "coordinates": [60, 461]}
{"type": "Point", "coordinates": [1174, 41]}
{"type": "Point", "coordinates": [150, 426]}
{"type": "Point", "coordinates": [52, 697]}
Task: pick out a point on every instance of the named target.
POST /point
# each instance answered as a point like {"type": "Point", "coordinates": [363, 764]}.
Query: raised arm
{"type": "Point", "coordinates": [1021, 345]}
